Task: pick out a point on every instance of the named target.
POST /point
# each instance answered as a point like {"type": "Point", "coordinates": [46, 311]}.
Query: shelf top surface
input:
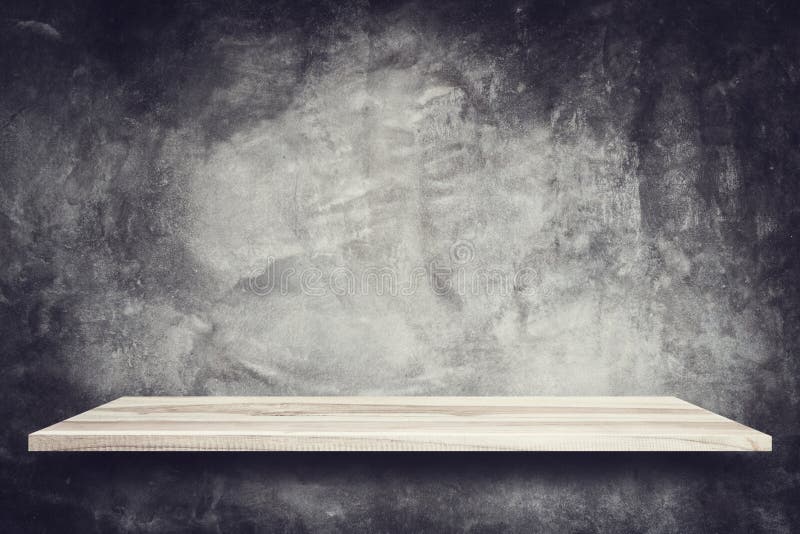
{"type": "Point", "coordinates": [398, 424]}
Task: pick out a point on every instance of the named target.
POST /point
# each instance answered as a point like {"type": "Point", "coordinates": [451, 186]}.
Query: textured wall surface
{"type": "Point", "coordinates": [354, 197]}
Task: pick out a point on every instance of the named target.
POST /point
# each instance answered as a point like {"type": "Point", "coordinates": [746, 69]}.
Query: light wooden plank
{"type": "Point", "coordinates": [398, 424]}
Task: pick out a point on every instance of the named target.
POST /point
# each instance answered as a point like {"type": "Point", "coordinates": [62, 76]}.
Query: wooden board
{"type": "Point", "coordinates": [398, 424]}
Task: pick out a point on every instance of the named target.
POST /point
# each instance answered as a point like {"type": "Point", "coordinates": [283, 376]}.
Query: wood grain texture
{"type": "Point", "coordinates": [398, 424]}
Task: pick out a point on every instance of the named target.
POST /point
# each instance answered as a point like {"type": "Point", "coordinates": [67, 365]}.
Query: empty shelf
{"type": "Point", "coordinates": [398, 424]}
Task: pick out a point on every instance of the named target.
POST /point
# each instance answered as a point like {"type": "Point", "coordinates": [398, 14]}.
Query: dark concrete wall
{"type": "Point", "coordinates": [617, 182]}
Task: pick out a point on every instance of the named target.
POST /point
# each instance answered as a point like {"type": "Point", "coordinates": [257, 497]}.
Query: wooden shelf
{"type": "Point", "coordinates": [398, 424]}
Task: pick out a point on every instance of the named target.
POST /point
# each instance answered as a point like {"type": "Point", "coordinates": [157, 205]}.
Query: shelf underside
{"type": "Point", "coordinates": [398, 424]}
